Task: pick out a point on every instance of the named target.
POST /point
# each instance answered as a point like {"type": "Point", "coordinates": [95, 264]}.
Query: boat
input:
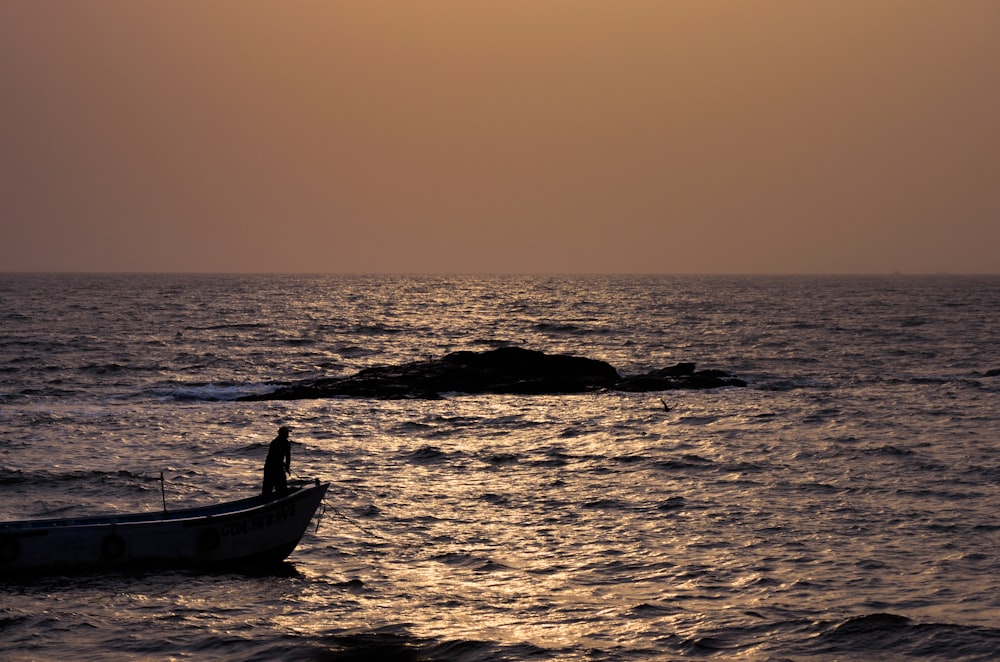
{"type": "Point", "coordinates": [237, 534]}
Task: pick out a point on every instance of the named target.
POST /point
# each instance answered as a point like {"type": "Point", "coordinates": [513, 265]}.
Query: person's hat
{"type": "Point", "coordinates": [284, 429]}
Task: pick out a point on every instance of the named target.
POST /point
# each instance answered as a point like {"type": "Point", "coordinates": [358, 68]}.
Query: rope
{"type": "Point", "coordinates": [326, 507]}
{"type": "Point", "coordinates": [359, 527]}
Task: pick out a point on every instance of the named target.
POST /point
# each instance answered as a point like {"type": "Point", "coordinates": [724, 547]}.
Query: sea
{"type": "Point", "coordinates": [845, 505]}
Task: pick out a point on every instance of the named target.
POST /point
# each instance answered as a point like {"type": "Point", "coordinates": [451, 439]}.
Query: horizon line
{"type": "Point", "coordinates": [71, 272]}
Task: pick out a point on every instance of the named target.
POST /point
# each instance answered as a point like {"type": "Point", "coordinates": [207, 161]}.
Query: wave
{"type": "Point", "coordinates": [428, 455]}
{"type": "Point", "coordinates": [684, 462]}
{"type": "Point", "coordinates": [239, 326]}
{"type": "Point", "coordinates": [495, 499]}
{"type": "Point", "coordinates": [354, 351]}
{"type": "Point", "coordinates": [377, 329]}
{"type": "Point", "coordinates": [872, 634]}
{"type": "Point", "coordinates": [397, 643]}
{"type": "Point", "coordinates": [103, 368]}
{"type": "Point", "coordinates": [61, 481]}
{"type": "Point", "coordinates": [875, 636]}
{"type": "Point", "coordinates": [473, 562]}
{"type": "Point", "coordinates": [500, 459]}
{"type": "Point", "coordinates": [207, 392]}
{"type": "Point", "coordinates": [606, 504]}
{"type": "Point", "coordinates": [553, 328]}
{"type": "Point", "coordinates": [390, 642]}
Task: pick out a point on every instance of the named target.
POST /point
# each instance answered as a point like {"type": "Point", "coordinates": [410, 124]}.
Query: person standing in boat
{"type": "Point", "coordinates": [277, 464]}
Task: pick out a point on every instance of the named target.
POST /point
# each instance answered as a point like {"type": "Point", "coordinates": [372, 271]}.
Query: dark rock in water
{"type": "Point", "coordinates": [992, 373]}
{"type": "Point", "coordinates": [504, 370]}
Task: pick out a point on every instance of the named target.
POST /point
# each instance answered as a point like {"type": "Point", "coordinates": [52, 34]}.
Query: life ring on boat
{"type": "Point", "coordinates": [209, 540]}
{"type": "Point", "coordinates": [113, 547]}
{"type": "Point", "coordinates": [10, 549]}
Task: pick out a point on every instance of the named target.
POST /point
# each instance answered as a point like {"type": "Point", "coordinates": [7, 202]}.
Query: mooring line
{"type": "Point", "coordinates": [361, 528]}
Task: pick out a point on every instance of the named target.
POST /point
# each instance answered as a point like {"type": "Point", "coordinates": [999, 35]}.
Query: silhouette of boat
{"type": "Point", "coordinates": [237, 534]}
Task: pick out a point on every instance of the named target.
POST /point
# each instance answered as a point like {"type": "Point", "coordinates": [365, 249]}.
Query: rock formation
{"type": "Point", "coordinates": [504, 370]}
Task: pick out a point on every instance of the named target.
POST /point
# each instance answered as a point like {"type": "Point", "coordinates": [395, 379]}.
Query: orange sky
{"type": "Point", "coordinates": [572, 136]}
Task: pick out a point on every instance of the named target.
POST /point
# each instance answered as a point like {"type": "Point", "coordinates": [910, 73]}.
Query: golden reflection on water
{"type": "Point", "coordinates": [553, 530]}
{"type": "Point", "coordinates": [487, 530]}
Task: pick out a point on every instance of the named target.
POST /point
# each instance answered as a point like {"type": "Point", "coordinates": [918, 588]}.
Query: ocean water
{"type": "Point", "coordinates": [845, 505]}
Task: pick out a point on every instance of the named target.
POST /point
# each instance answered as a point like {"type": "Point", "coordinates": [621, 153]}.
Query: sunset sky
{"type": "Point", "coordinates": [536, 136]}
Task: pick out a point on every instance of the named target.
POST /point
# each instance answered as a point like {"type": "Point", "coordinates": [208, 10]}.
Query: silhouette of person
{"type": "Point", "coordinates": [277, 464]}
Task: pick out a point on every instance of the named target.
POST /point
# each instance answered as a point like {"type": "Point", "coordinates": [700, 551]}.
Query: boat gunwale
{"type": "Point", "coordinates": [185, 516]}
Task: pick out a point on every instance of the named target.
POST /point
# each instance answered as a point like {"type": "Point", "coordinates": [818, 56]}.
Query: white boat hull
{"type": "Point", "coordinates": [232, 535]}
